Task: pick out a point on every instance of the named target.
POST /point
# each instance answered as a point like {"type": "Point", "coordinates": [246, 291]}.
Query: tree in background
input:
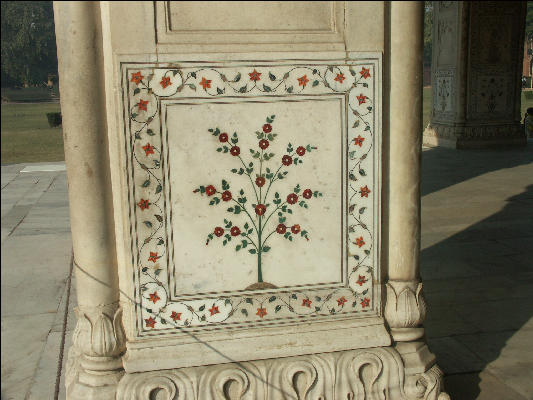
{"type": "Point", "coordinates": [28, 42]}
{"type": "Point", "coordinates": [428, 31]}
{"type": "Point", "coordinates": [529, 20]}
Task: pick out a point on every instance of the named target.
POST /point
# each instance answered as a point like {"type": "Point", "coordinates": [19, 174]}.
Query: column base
{"type": "Point", "coordinates": [355, 374]}
{"type": "Point", "coordinates": [492, 136]}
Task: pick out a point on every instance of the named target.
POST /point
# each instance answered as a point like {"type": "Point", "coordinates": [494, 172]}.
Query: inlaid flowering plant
{"type": "Point", "coordinates": [259, 222]}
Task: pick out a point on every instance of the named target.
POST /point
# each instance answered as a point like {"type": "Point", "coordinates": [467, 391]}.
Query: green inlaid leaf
{"type": "Point", "coordinates": [219, 91]}
{"type": "Point", "coordinates": [160, 242]}
{"type": "Point", "coordinates": [278, 307]}
{"type": "Point", "coordinates": [158, 271]}
{"type": "Point", "coordinates": [144, 269]}
{"type": "Point", "coordinates": [270, 300]}
{"type": "Point", "coordinates": [133, 115]}
{"type": "Point", "coordinates": [294, 296]}
{"type": "Point", "coordinates": [227, 301]}
{"type": "Point", "coordinates": [290, 89]}
{"type": "Point", "coordinates": [150, 132]}
{"type": "Point", "coordinates": [355, 124]}
{"type": "Point", "coordinates": [193, 74]}
{"type": "Point", "coordinates": [202, 307]}
{"type": "Point", "coordinates": [266, 88]}
{"type": "Point", "coordinates": [243, 89]}
{"type": "Point", "coordinates": [367, 252]}
{"type": "Point", "coordinates": [146, 183]}
{"type": "Point", "coordinates": [369, 108]}
{"type": "Point", "coordinates": [149, 310]}
{"type": "Point", "coordinates": [266, 249]}
{"type": "Point", "coordinates": [365, 84]}
{"type": "Point", "coordinates": [244, 311]}
{"type": "Point", "coordinates": [272, 76]}
{"type": "Point", "coordinates": [362, 210]}
{"type": "Point", "coordinates": [249, 300]}
{"type": "Point", "coordinates": [137, 90]}
{"type": "Point", "coordinates": [148, 224]}
{"type": "Point", "coordinates": [315, 83]}
{"type": "Point", "coordinates": [252, 251]}
{"type": "Point", "coordinates": [193, 87]}
{"type": "Point", "coordinates": [237, 77]}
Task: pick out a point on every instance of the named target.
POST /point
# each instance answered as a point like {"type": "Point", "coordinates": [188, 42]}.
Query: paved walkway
{"type": "Point", "coordinates": [477, 266]}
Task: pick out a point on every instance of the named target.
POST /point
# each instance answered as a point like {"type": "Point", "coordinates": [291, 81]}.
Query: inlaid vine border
{"type": "Point", "coordinates": [144, 92]}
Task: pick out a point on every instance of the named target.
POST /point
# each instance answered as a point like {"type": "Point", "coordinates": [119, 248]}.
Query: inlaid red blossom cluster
{"type": "Point", "coordinates": [256, 231]}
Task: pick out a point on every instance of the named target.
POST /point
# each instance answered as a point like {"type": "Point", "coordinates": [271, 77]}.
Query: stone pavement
{"type": "Point", "coordinates": [477, 266]}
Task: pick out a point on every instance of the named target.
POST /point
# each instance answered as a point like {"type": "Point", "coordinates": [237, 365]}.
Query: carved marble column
{"type": "Point", "coordinates": [94, 363]}
{"type": "Point", "coordinates": [405, 308]}
{"type": "Point", "coordinates": [476, 74]}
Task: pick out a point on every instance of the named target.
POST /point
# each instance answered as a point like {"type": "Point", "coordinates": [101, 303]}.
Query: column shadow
{"type": "Point", "coordinates": [479, 281]}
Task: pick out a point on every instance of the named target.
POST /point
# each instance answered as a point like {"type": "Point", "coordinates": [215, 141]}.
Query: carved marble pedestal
{"type": "Point", "coordinates": [245, 212]}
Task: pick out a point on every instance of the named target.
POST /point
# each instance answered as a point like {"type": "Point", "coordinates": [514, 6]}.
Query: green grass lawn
{"type": "Point", "coordinates": [26, 135]}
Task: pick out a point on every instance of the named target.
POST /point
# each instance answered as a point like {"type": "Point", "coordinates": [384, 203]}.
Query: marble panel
{"type": "Point", "coordinates": [254, 192]}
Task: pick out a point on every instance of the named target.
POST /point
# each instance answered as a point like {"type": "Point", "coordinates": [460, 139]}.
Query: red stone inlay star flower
{"type": "Point", "coordinates": [176, 316]}
{"type": "Point", "coordinates": [307, 194]}
{"type": "Point", "coordinates": [365, 302]}
{"type": "Point", "coordinates": [153, 256]}
{"type": "Point", "coordinates": [235, 231]}
{"type": "Point", "coordinates": [365, 72]}
{"type": "Point", "coordinates": [263, 144]}
{"type": "Point", "coordinates": [223, 137]}
{"type": "Point", "coordinates": [361, 98]}
{"type": "Point", "coordinates": [361, 280]}
{"type": "Point", "coordinates": [339, 78]}
{"type": "Point", "coordinates": [255, 76]}
{"type": "Point", "coordinates": [295, 229]}
{"type": "Point", "coordinates": [359, 241]}
{"type": "Point", "coordinates": [365, 191]}
{"type": "Point", "coordinates": [341, 301]}
{"type": "Point", "coordinates": [261, 312]}
{"type": "Point", "coordinates": [219, 231]}
{"type": "Point", "coordinates": [302, 81]}
{"type": "Point", "coordinates": [136, 77]}
{"type": "Point", "coordinates": [300, 150]}
{"type": "Point", "coordinates": [306, 303]}
{"type": "Point", "coordinates": [154, 297]}
{"type": "Point", "coordinates": [359, 141]}
{"type": "Point", "coordinates": [148, 149]}
{"type": "Point", "coordinates": [267, 128]}
{"type": "Point", "coordinates": [214, 310]}
{"type": "Point", "coordinates": [165, 81]}
{"type": "Point", "coordinates": [206, 83]}
{"type": "Point", "coordinates": [142, 104]}
{"type": "Point", "coordinates": [150, 322]}
{"type": "Point", "coordinates": [235, 151]}
{"type": "Point", "coordinates": [281, 229]}
{"type": "Point", "coordinates": [143, 204]}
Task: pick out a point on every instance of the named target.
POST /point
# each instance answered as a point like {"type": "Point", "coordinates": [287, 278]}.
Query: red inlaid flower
{"type": "Point", "coordinates": [206, 83]}
{"type": "Point", "coordinates": [300, 150]}
{"type": "Point", "coordinates": [295, 229]}
{"type": "Point", "coordinates": [292, 198]}
{"type": "Point", "coordinates": [255, 76]}
{"type": "Point", "coordinates": [235, 151]}
{"type": "Point", "coordinates": [261, 312]}
{"type": "Point", "coordinates": [361, 98]}
{"type": "Point", "coordinates": [340, 77]}
{"type": "Point", "coordinates": [153, 257]}
{"type": "Point", "coordinates": [165, 82]}
{"type": "Point", "coordinates": [307, 194]}
{"type": "Point", "coordinates": [219, 231]}
{"type": "Point", "coordinates": [176, 316]}
{"type": "Point", "coordinates": [148, 149]}
{"type": "Point", "coordinates": [341, 301]}
{"type": "Point", "coordinates": [136, 77]}
{"type": "Point", "coordinates": [150, 322]}
{"type": "Point", "coordinates": [286, 160]}
{"type": "Point", "coordinates": [306, 303]}
{"type": "Point", "coordinates": [214, 310]}
{"type": "Point", "coordinates": [365, 302]}
{"type": "Point", "coordinates": [235, 231]}
{"type": "Point", "coordinates": [154, 297]}
{"type": "Point", "coordinates": [359, 141]}
{"type": "Point", "coordinates": [302, 81]}
{"type": "Point", "coordinates": [210, 190]}
{"type": "Point", "coordinates": [143, 204]}
{"type": "Point", "coordinates": [142, 104]}
{"type": "Point", "coordinates": [360, 242]}
{"type": "Point", "coordinates": [263, 144]}
{"type": "Point", "coordinates": [260, 209]}
{"type": "Point", "coordinates": [365, 191]}
{"type": "Point", "coordinates": [361, 280]}
{"type": "Point", "coordinates": [365, 72]}
{"type": "Point", "coordinates": [281, 229]}
{"type": "Point", "coordinates": [226, 196]}
{"type": "Point", "coordinates": [223, 137]}
{"type": "Point", "coordinates": [267, 128]}
{"type": "Point", "coordinates": [260, 181]}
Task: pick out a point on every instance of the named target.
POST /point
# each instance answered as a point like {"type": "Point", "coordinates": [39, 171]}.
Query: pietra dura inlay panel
{"type": "Point", "coordinates": [254, 192]}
